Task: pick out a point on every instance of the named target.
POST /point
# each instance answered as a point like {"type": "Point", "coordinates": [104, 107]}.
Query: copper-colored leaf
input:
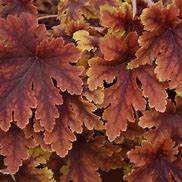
{"type": "Point", "coordinates": [155, 162]}
{"type": "Point", "coordinates": [85, 41]}
{"type": "Point", "coordinates": [28, 65]}
{"type": "Point", "coordinates": [133, 131]}
{"type": "Point", "coordinates": [115, 51]}
{"type": "Point", "coordinates": [116, 18]}
{"type": "Point", "coordinates": [17, 7]}
{"type": "Point", "coordinates": [55, 163]}
{"type": "Point", "coordinates": [72, 26]}
{"type": "Point", "coordinates": [167, 124]}
{"type": "Point", "coordinates": [119, 19]}
{"type": "Point", "coordinates": [74, 113]}
{"type": "Point", "coordinates": [13, 145]}
{"type": "Point", "coordinates": [36, 132]}
{"type": "Point", "coordinates": [125, 95]}
{"type": "Point", "coordinates": [87, 156]}
{"type": "Point", "coordinates": [97, 96]}
{"type": "Point", "coordinates": [30, 170]}
{"type": "Point", "coordinates": [46, 6]}
{"type": "Point", "coordinates": [162, 42]}
{"type": "Point", "coordinates": [74, 10]}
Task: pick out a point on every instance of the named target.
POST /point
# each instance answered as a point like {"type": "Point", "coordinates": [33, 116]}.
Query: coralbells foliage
{"type": "Point", "coordinates": [86, 87]}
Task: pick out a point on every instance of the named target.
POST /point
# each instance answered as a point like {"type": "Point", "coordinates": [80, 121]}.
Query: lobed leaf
{"type": "Point", "coordinates": [87, 156]}
{"type": "Point", "coordinates": [36, 132]}
{"type": "Point", "coordinates": [125, 95]}
{"type": "Point", "coordinates": [14, 145]}
{"type": "Point", "coordinates": [161, 42]}
{"type": "Point", "coordinates": [85, 41]}
{"type": "Point", "coordinates": [17, 7]}
{"type": "Point", "coordinates": [75, 9]}
{"type": "Point", "coordinates": [30, 170]}
{"type": "Point", "coordinates": [116, 18]}
{"type": "Point", "coordinates": [167, 124]}
{"type": "Point", "coordinates": [155, 162]}
{"type": "Point", "coordinates": [27, 68]}
{"type": "Point", "coordinates": [97, 96]}
{"type": "Point", "coordinates": [75, 112]}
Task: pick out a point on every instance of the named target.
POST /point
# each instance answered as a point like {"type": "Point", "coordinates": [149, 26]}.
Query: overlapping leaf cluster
{"type": "Point", "coordinates": [88, 86]}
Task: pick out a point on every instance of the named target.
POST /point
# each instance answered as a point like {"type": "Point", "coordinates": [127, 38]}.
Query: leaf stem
{"type": "Point", "coordinates": [134, 4]}
{"type": "Point", "coordinates": [46, 17]}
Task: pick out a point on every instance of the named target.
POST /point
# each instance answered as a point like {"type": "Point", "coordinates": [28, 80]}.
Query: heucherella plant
{"type": "Point", "coordinates": [90, 90]}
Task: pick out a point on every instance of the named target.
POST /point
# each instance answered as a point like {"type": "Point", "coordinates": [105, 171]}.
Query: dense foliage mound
{"type": "Point", "coordinates": [90, 90]}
